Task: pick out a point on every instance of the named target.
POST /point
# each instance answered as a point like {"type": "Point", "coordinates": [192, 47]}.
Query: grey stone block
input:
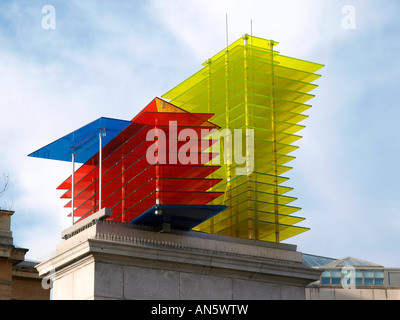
{"type": "Point", "coordinates": [204, 287]}
{"type": "Point", "coordinates": [150, 284]}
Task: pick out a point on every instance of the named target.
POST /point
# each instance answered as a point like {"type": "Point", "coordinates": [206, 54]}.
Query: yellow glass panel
{"type": "Point", "coordinates": [243, 183]}
{"type": "Point", "coordinates": [235, 222]}
{"type": "Point", "coordinates": [250, 85]}
{"type": "Point", "coordinates": [258, 82]}
{"type": "Point", "coordinates": [265, 231]}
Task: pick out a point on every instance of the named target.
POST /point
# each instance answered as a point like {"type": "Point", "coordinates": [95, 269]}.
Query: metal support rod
{"type": "Point", "coordinates": [101, 135]}
{"type": "Point", "coordinates": [209, 63]}
{"type": "Point", "coordinates": [227, 31]}
{"type": "Point", "coordinates": [73, 188]}
{"type": "Point", "coordinates": [123, 190]}
{"type": "Point", "coordinates": [274, 148]}
{"type": "Point", "coordinates": [250, 224]}
{"type": "Point", "coordinates": [158, 211]}
{"type": "Point", "coordinates": [227, 140]}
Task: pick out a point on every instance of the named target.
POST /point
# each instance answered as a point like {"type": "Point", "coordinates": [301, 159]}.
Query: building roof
{"type": "Point", "coordinates": [314, 261]}
{"type": "Point", "coordinates": [28, 264]}
{"type": "Point", "coordinates": [350, 261]}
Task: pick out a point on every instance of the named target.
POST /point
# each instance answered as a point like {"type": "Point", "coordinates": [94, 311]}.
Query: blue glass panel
{"type": "Point", "coordinates": [326, 260]}
{"type": "Point", "coordinates": [326, 274]}
{"type": "Point", "coordinates": [336, 280]}
{"type": "Point", "coordinates": [308, 261]}
{"type": "Point", "coordinates": [84, 142]}
{"type": "Point", "coordinates": [368, 274]}
{"type": "Point", "coordinates": [336, 273]}
{"type": "Point", "coordinates": [325, 280]}
{"type": "Point", "coordinates": [369, 281]}
{"type": "Point", "coordinates": [379, 274]}
{"type": "Point", "coordinates": [379, 282]}
{"type": "Point", "coordinates": [359, 281]}
{"type": "Point", "coordinates": [315, 261]}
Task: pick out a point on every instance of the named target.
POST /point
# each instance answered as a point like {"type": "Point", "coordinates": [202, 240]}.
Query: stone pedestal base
{"type": "Point", "coordinates": [118, 261]}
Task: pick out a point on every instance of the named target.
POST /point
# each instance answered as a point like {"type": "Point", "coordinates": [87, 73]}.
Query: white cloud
{"type": "Point", "coordinates": [299, 26]}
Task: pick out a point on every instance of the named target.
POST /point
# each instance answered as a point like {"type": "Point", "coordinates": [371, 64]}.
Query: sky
{"type": "Point", "coordinates": [111, 58]}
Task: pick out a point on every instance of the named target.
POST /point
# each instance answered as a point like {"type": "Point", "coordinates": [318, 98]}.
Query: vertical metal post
{"type": "Point", "coordinates": [274, 142]}
{"type": "Point", "coordinates": [250, 224]}
{"type": "Point", "coordinates": [158, 211]}
{"type": "Point", "coordinates": [226, 31]}
{"type": "Point", "coordinates": [209, 62]}
{"type": "Point", "coordinates": [101, 134]}
{"type": "Point", "coordinates": [73, 187]}
{"type": "Point", "coordinates": [227, 140]}
{"type": "Point", "coordinates": [123, 191]}
{"type": "Point", "coordinates": [252, 217]}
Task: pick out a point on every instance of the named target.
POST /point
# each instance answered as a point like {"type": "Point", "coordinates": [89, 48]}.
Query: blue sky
{"type": "Point", "coordinates": [110, 58]}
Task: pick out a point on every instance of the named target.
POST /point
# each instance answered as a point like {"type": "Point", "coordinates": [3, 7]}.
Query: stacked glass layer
{"type": "Point", "coordinates": [147, 175]}
{"type": "Point", "coordinates": [251, 87]}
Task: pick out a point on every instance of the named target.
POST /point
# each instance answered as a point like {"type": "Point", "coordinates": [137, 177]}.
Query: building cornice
{"type": "Point", "coordinates": [108, 241]}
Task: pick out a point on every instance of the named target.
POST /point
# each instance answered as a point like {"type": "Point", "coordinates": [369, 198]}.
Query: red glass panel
{"type": "Point", "coordinates": [131, 185]}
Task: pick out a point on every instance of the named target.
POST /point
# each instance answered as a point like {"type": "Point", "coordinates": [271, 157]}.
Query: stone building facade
{"type": "Point", "coordinates": [104, 260]}
{"type": "Point", "coordinates": [19, 279]}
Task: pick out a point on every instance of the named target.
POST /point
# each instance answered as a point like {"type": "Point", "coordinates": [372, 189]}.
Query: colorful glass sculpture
{"type": "Point", "coordinates": [172, 165]}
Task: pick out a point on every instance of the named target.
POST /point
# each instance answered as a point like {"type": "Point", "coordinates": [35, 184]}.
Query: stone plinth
{"type": "Point", "coordinates": [109, 260]}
